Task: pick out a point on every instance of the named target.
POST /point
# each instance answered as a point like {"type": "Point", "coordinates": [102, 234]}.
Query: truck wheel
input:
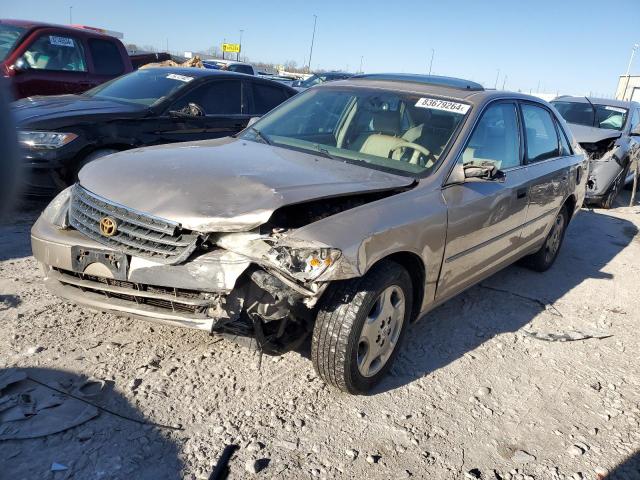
{"type": "Point", "coordinates": [360, 326]}
{"type": "Point", "coordinates": [542, 260]}
{"type": "Point", "coordinates": [89, 158]}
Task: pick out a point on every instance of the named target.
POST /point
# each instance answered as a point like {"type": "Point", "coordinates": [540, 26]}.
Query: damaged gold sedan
{"type": "Point", "coordinates": [345, 213]}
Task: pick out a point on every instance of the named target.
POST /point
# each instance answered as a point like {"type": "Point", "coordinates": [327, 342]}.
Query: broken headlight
{"type": "Point", "coordinates": [306, 264]}
{"type": "Point", "coordinates": [45, 140]}
{"type": "Point", "coordinates": [56, 211]}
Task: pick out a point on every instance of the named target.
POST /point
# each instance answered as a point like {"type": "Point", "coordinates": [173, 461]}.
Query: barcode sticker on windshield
{"type": "Point", "coordinates": [61, 41]}
{"type": "Point", "coordinates": [615, 109]}
{"type": "Point", "coordinates": [444, 105]}
{"type": "Point", "coordinates": [182, 78]}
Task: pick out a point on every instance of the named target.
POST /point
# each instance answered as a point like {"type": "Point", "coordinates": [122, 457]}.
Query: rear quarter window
{"type": "Point", "coordinates": [107, 59]}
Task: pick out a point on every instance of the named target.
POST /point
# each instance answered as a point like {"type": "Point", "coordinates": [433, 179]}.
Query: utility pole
{"type": "Point", "coordinates": [238, 54]}
{"type": "Point", "coordinates": [433, 52]}
{"type": "Point", "coordinates": [360, 70]}
{"type": "Point", "coordinates": [633, 52]}
{"type": "Point", "coordinates": [167, 46]}
{"type": "Point", "coordinates": [497, 76]}
{"type": "Point", "coordinates": [223, 42]}
{"type": "Point", "coordinates": [313, 37]}
{"type": "Point", "coordinates": [70, 15]}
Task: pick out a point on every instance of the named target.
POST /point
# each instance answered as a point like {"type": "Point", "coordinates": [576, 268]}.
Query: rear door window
{"type": "Point", "coordinates": [215, 98]}
{"type": "Point", "coordinates": [57, 52]}
{"type": "Point", "coordinates": [540, 133]}
{"type": "Point", "coordinates": [106, 57]}
{"type": "Point", "coordinates": [267, 97]}
{"type": "Point", "coordinates": [241, 69]}
{"type": "Point", "coordinates": [496, 138]}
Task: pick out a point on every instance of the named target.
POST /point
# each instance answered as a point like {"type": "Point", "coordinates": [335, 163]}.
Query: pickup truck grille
{"type": "Point", "coordinates": [136, 233]}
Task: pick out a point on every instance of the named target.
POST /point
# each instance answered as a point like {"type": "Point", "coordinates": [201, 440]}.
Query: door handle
{"type": "Point", "coordinates": [521, 193]}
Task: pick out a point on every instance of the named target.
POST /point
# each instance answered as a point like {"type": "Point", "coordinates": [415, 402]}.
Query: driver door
{"type": "Point", "coordinates": [486, 217]}
{"type": "Point", "coordinates": [223, 106]}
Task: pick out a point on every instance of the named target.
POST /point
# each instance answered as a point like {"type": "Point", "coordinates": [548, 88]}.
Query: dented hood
{"type": "Point", "coordinates": [584, 134]}
{"type": "Point", "coordinates": [225, 185]}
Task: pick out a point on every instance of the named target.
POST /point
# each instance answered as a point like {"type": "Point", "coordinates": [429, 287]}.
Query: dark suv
{"type": "Point", "coordinates": [45, 59]}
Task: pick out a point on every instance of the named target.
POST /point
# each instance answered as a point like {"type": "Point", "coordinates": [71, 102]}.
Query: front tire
{"type": "Point", "coordinates": [360, 327]}
{"type": "Point", "coordinates": [96, 154]}
{"type": "Point", "coordinates": [542, 260]}
{"type": "Point", "coordinates": [615, 189]}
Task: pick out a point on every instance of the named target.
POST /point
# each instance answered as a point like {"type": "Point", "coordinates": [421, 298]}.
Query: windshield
{"type": "Point", "coordinates": [143, 87]}
{"type": "Point", "coordinates": [397, 131]}
{"type": "Point", "coordinates": [599, 116]}
{"type": "Point", "coordinates": [313, 80]}
{"type": "Point", "coordinates": [9, 35]}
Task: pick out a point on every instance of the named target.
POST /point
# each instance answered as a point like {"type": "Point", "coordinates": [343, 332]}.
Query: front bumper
{"type": "Point", "coordinates": [198, 294]}
{"type": "Point", "coordinates": [43, 170]}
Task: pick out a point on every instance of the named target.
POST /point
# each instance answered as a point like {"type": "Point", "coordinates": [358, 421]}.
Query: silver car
{"type": "Point", "coordinates": [346, 213]}
{"type": "Point", "coordinates": [609, 132]}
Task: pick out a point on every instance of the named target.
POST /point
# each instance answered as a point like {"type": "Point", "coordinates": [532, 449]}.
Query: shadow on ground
{"type": "Point", "coordinates": [15, 227]}
{"type": "Point", "coordinates": [99, 433]}
{"type": "Point", "coordinates": [627, 470]}
{"type": "Point", "coordinates": [462, 324]}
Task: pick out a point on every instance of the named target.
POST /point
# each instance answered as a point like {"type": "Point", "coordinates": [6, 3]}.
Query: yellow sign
{"type": "Point", "coordinates": [231, 47]}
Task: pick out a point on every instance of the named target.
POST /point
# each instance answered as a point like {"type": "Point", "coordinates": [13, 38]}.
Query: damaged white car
{"type": "Point", "coordinates": [347, 212]}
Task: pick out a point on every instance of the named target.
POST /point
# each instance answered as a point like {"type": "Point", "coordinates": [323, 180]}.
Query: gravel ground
{"type": "Point", "coordinates": [474, 394]}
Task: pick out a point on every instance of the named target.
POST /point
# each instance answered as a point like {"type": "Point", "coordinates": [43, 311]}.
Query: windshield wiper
{"type": "Point", "coordinates": [260, 135]}
{"type": "Point", "coordinates": [320, 149]}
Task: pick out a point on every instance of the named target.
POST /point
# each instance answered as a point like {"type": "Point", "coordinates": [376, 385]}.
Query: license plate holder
{"type": "Point", "coordinates": [116, 262]}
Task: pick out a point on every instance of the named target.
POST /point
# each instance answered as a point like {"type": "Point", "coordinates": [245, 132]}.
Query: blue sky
{"type": "Point", "coordinates": [565, 46]}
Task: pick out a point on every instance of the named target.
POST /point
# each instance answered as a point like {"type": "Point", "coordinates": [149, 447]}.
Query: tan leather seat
{"type": "Point", "coordinates": [384, 122]}
{"type": "Point", "coordinates": [380, 145]}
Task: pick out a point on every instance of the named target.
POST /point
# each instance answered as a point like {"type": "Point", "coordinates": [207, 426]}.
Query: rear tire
{"type": "Point", "coordinates": [360, 327]}
{"type": "Point", "coordinates": [542, 260]}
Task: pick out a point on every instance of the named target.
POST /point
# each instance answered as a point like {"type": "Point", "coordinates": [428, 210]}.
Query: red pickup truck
{"type": "Point", "coordinates": [46, 59]}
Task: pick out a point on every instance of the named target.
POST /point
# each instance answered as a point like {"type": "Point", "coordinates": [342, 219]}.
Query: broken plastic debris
{"type": "Point", "coordinates": [58, 467]}
{"type": "Point", "coordinates": [570, 336]}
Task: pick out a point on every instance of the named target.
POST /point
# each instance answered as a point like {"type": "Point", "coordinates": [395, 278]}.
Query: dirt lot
{"type": "Point", "coordinates": [474, 394]}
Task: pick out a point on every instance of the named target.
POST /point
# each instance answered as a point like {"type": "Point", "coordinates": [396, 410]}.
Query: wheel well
{"type": "Point", "coordinates": [414, 265]}
{"type": "Point", "coordinates": [570, 204]}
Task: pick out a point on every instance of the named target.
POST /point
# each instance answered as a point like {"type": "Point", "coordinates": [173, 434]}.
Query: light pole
{"type": "Point", "coordinates": [497, 76]}
{"type": "Point", "coordinates": [70, 15]}
{"type": "Point", "coordinates": [433, 52]}
{"type": "Point", "coordinates": [504, 82]}
{"type": "Point", "coordinates": [238, 55]}
{"type": "Point", "coordinates": [313, 37]}
{"type": "Point", "coordinates": [633, 52]}
{"type": "Point", "coordinates": [361, 59]}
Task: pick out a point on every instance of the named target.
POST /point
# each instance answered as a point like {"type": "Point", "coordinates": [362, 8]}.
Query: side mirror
{"type": "Point", "coordinates": [189, 111]}
{"type": "Point", "coordinates": [20, 66]}
{"type": "Point", "coordinates": [252, 120]}
{"type": "Point", "coordinates": [485, 171]}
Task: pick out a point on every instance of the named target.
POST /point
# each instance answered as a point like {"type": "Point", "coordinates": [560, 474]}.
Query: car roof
{"type": "Point", "coordinates": [447, 87]}
{"type": "Point", "coordinates": [597, 101]}
{"type": "Point", "coordinates": [30, 24]}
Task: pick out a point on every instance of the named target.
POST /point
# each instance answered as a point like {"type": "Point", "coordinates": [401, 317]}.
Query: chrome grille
{"type": "Point", "coordinates": [137, 233]}
{"type": "Point", "coordinates": [173, 299]}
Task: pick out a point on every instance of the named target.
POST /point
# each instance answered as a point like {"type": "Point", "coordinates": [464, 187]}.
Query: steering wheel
{"type": "Point", "coordinates": [417, 151]}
